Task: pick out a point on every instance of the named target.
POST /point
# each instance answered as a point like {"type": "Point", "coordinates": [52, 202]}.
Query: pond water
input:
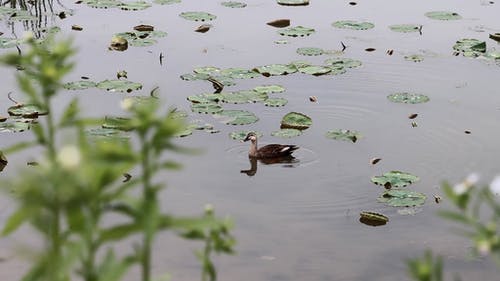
{"type": "Point", "coordinates": [300, 220]}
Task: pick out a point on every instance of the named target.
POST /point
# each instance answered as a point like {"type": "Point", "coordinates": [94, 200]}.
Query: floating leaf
{"type": "Point", "coordinates": [405, 97]}
{"type": "Point", "coordinates": [14, 127]}
{"type": "Point", "coordinates": [495, 36]}
{"type": "Point", "coordinates": [143, 42]}
{"type": "Point", "coordinates": [233, 4]}
{"type": "Point", "coordinates": [395, 179]}
{"type": "Point", "coordinates": [79, 85]}
{"type": "Point", "coordinates": [9, 42]}
{"type": "Point", "coordinates": [107, 134]}
{"type": "Point", "coordinates": [470, 47]}
{"type": "Point", "coordinates": [208, 70]}
{"type": "Point", "coordinates": [208, 107]}
{"type": "Point", "coordinates": [297, 31]}
{"type": "Point", "coordinates": [280, 42]}
{"type": "Point", "coordinates": [119, 85]}
{"type": "Point", "coordinates": [241, 135]}
{"type": "Point", "coordinates": [239, 73]}
{"type": "Point", "coordinates": [205, 98]}
{"type": "Point", "coordinates": [237, 117]}
{"type": "Point", "coordinates": [414, 58]}
{"type": "Point", "coordinates": [166, 2]}
{"type": "Point", "coordinates": [405, 28]}
{"type": "Point", "coordinates": [296, 120]}
{"type": "Point", "coordinates": [276, 69]}
{"type": "Point", "coordinates": [443, 15]}
{"type": "Point", "coordinates": [203, 28]}
{"type": "Point", "coordinates": [117, 123]}
{"type": "Point", "coordinates": [402, 198]}
{"type": "Point", "coordinates": [275, 102]}
{"type": "Point", "coordinates": [194, 76]}
{"type": "Point", "coordinates": [135, 6]}
{"type": "Point", "coordinates": [336, 69]}
{"type": "Point", "coordinates": [293, 2]}
{"type": "Point", "coordinates": [198, 16]}
{"type": "Point", "coordinates": [286, 133]}
{"type": "Point", "coordinates": [269, 89]}
{"type": "Point", "coordinates": [26, 111]}
{"type": "Point", "coordinates": [243, 97]}
{"type": "Point", "coordinates": [103, 4]}
{"type": "Point", "coordinates": [315, 70]}
{"type": "Point", "coordinates": [343, 134]}
{"type": "Point", "coordinates": [279, 23]}
{"type": "Point", "coordinates": [355, 25]}
{"type": "Point", "coordinates": [344, 62]}
{"type": "Point", "coordinates": [310, 51]}
{"type": "Point", "coordinates": [373, 219]}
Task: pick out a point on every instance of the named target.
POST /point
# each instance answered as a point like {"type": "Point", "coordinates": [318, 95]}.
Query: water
{"type": "Point", "coordinates": [300, 220]}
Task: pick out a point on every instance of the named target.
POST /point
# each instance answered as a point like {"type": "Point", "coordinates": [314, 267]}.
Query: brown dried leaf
{"type": "Point", "coordinates": [279, 23]}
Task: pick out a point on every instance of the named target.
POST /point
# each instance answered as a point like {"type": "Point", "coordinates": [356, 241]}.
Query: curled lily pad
{"type": "Point", "coordinates": [119, 85]}
{"type": "Point", "coordinates": [167, 2]}
{"type": "Point", "coordinates": [343, 134]}
{"type": "Point", "coordinates": [296, 120]}
{"type": "Point", "coordinates": [286, 133]}
{"type": "Point", "coordinates": [135, 6]}
{"type": "Point", "coordinates": [233, 4]}
{"type": "Point", "coordinates": [293, 2]}
{"type": "Point", "coordinates": [26, 111]}
{"type": "Point", "coordinates": [239, 73]}
{"type": "Point", "coordinates": [241, 135]}
{"type": "Point", "coordinates": [279, 23]}
{"type": "Point", "coordinates": [205, 98]}
{"type": "Point", "coordinates": [355, 25]}
{"type": "Point", "coordinates": [414, 58]}
{"type": "Point", "coordinates": [405, 28]}
{"type": "Point", "coordinates": [198, 16]}
{"type": "Point", "coordinates": [405, 97]}
{"type": "Point", "coordinates": [269, 89]}
{"type": "Point", "coordinates": [209, 108]}
{"type": "Point", "coordinates": [344, 62]}
{"type": "Point", "coordinates": [275, 102]}
{"type": "Point", "coordinates": [276, 69]}
{"type": "Point", "coordinates": [470, 47]}
{"type": "Point", "coordinates": [315, 70]}
{"type": "Point", "coordinates": [395, 179]}
{"type": "Point", "coordinates": [79, 85]}
{"type": "Point", "coordinates": [104, 134]}
{"type": "Point", "coordinates": [443, 15]}
{"type": "Point", "coordinates": [402, 198]}
{"type": "Point", "coordinates": [14, 127]}
{"type": "Point", "coordinates": [310, 51]}
{"type": "Point", "coordinates": [243, 97]}
{"type": "Point", "coordinates": [117, 123]}
{"type": "Point", "coordinates": [237, 117]}
{"type": "Point", "coordinates": [297, 31]}
{"type": "Point", "coordinates": [372, 218]}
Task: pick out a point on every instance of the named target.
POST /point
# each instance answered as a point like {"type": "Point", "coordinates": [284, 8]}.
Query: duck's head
{"type": "Point", "coordinates": [251, 136]}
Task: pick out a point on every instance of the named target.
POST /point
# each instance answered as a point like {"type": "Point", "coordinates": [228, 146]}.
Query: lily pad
{"type": "Point", "coordinates": [14, 127]}
{"type": "Point", "coordinates": [310, 51]}
{"type": "Point", "coordinates": [315, 70]}
{"type": "Point", "coordinates": [355, 25]}
{"type": "Point", "coordinates": [119, 85]}
{"type": "Point", "coordinates": [107, 134]}
{"type": "Point", "coordinates": [276, 69]}
{"type": "Point", "coordinates": [406, 97]}
{"type": "Point", "coordinates": [103, 4]}
{"type": "Point", "coordinates": [9, 42]}
{"type": "Point", "coordinates": [293, 2]}
{"type": "Point", "coordinates": [286, 133]}
{"type": "Point", "coordinates": [343, 134]}
{"type": "Point", "coordinates": [443, 15]}
{"type": "Point", "coordinates": [237, 117]}
{"type": "Point", "coordinates": [198, 16]}
{"type": "Point", "coordinates": [208, 108]}
{"type": "Point", "coordinates": [135, 6]}
{"type": "Point", "coordinates": [395, 179]}
{"type": "Point", "coordinates": [372, 218]}
{"type": "Point", "coordinates": [269, 89]}
{"type": "Point", "coordinates": [243, 97]}
{"type": "Point", "coordinates": [208, 70]}
{"type": "Point", "coordinates": [297, 31]}
{"type": "Point", "coordinates": [117, 123]}
{"type": "Point", "coordinates": [344, 62]}
{"type": "Point", "coordinates": [276, 102]}
{"type": "Point", "coordinates": [80, 85]}
{"type": "Point", "coordinates": [470, 47]}
{"type": "Point", "coordinates": [194, 76]}
{"type": "Point", "coordinates": [3, 161]}
{"type": "Point", "coordinates": [167, 2]}
{"type": "Point", "coordinates": [296, 120]}
{"type": "Point", "coordinates": [26, 111]}
{"type": "Point", "coordinates": [205, 98]}
{"type": "Point", "coordinates": [239, 73]}
{"type": "Point", "coordinates": [414, 58]}
{"type": "Point", "coordinates": [402, 198]}
{"type": "Point", "coordinates": [405, 28]}
{"type": "Point", "coordinates": [233, 4]}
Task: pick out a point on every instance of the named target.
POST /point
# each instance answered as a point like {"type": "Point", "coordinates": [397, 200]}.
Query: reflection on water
{"type": "Point", "coordinates": [289, 161]}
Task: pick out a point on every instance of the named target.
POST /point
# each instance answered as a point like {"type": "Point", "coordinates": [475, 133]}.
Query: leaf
{"type": "Point", "coordinates": [14, 127]}
{"type": "Point", "coordinates": [286, 133]}
{"type": "Point", "coordinates": [280, 23]}
{"type": "Point", "coordinates": [16, 220]}
{"type": "Point", "coordinates": [269, 89]}
{"type": "Point", "coordinates": [233, 4]}
{"type": "Point", "coordinates": [167, 2]}
{"type": "Point", "coordinates": [198, 16]}
{"type": "Point", "coordinates": [237, 117]}
{"type": "Point", "coordinates": [275, 102]}
{"type": "Point", "coordinates": [373, 218]}
{"type": "Point", "coordinates": [205, 98]}
{"type": "Point", "coordinates": [343, 134]}
{"type": "Point", "coordinates": [344, 62]}
{"type": "Point", "coordinates": [117, 123]}
{"type": "Point", "coordinates": [297, 31]}
{"type": "Point", "coordinates": [443, 15]}
{"type": "Point", "coordinates": [241, 135]}
{"type": "Point", "coordinates": [405, 28]}
{"type": "Point", "coordinates": [470, 47]}
{"type": "Point", "coordinates": [315, 70]}
{"type": "Point", "coordinates": [402, 198]}
{"type": "Point", "coordinates": [135, 6]}
{"type": "Point", "coordinates": [405, 97]}
{"type": "Point", "coordinates": [103, 4]}
{"type": "Point", "coordinates": [244, 96]}
{"type": "Point", "coordinates": [107, 134]}
{"type": "Point", "coordinates": [79, 85]}
{"type": "Point", "coordinates": [355, 25]}
{"type": "Point", "coordinates": [414, 58]}
{"type": "Point", "coordinates": [276, 69]}
{"type": "Point", "coordinates": [296, 120]}
{"type": "Point", "coordinates": [310, 51]}
{"type": "Point", "coordinates": [26, 111]}
{"type": "Point", "coordinates": [209, 107]}
{"type": "Point", "coordinates": [119, 85]}
{"type": "Point", "coordinates": [239, 73]}
{"type": "Point", "coordinates": [395, 179]}
{"type": "Point", "coordinates": [119, 232]}
{"type": "Point", "coordinates": [293, 2]}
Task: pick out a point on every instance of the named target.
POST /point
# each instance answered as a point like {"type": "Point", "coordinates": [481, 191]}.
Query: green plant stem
{"type": "Point", "coordinates": [149, 200]}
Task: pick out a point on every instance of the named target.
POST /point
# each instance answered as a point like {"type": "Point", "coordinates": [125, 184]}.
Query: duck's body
{"type": "Point", "coordinates": [270, 150]}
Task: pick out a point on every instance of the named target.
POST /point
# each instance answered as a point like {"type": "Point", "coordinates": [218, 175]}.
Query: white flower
{"type": "Point", "coordinates": [127, 104]}
{"type": "Point", "coordinates": [472, 179]}
{"type": "Point", "coordinates": [460, 188]}
{"type": "Point", "coordinates": [69, 157]}
{"type": "Point", "coordinates": [495, 185]}
{"type": "Point", "coordinates": [464, 186]}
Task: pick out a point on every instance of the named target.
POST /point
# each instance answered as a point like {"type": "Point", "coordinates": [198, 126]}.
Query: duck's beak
{"type": "Point", "coordinates": [246, 139]}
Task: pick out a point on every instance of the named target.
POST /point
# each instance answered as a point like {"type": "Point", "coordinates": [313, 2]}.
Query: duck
{"type": "Point", "coordinates": [269, 151]}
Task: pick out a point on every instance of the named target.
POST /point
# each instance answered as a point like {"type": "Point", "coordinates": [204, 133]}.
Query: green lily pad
{"type": "Point", "coordinates": [237, 117]}
{"type": "Point", "coordinates": [414, 58]}
{"type": "Point", "coordinates": [281, 42]}
{"type": "Point", "coordinates": [402, 198]}
{"type": "Point", "coordinates": [225, 80]}
{"type": "Point", "coordinates": [405, 28]}
{"type": "Point", "coordinates": [103, 4]}
{"type": "Point", "coordinates": [299, 64]}
{"type": "Point", "coordinates": [315, 70]}
{"type": "Point", "coordinates": [198, 16]}
{"type": "Point", "coordinates": [239, 73]}
{"type": "Point", "coordinates": [117, 123]}
{"type": "Point", "coordinates": [166, 2]}
{"type": "Point", "coordinates": [336, 69]}
{"type": "Point", "coordinates": [276, 102]}
{"type": "Point", "coordinates": [205, 98]}
{"type": "Point", "coordinates": [395, 179]}
{"type": "Point", "coordinates": [405, 97]}
{"type": "Point", "coordinates": [244, 96]}
{"type": "Point", "coordinates": [276, 69]}
{"type": "Point", "coordinates": [233, 4]}
{"type": "Point", "coordinates": [79, 85]}
{"type": "Point", "coordinates": [22, 15]}
{"type": "Point", "coordinates": [241, 135]}
{"type": "Point", "coordinates": [310, 51]}
{"type": "Point", "coordinates": [293, 2]}
{"type": "Point", "coordinates": [119, 85]}
{"type": "Point", "coordinates": [344, 62]}
{"type": "Point", "coordinates": [208, 70]}
{"type": "Point", "coordinates": [296, 120]}
{"type": "Point", "coordinates": [443, 15]}
{"type": "Point", "coordinates": [470, 47]}
{"type": "Point", "coordinates": [135, 6]}
{"type": "Point", "coordinates": [107, 134]}
{"type": "Point", "coordinates": [208, 108]}
{"type": "Point", "coordinates": [355, 25]}
{"type": "Point", "coordinates": [146, 42]}
{"type": "Point", "coordinates": [269, 89]}
{"type": "Point", "coordinates": [297, 31]}
{"type": "Point", "coordinates": [343, 134]}
{"type": "Point", "coordinates": [286, 133]}
{"type": "Point", "coordinates": [14, 127]}
{"type": "Point", "coordinates": [372, 218]}
{"type": "Point", "coordinates": [26, 111]}
{"type": "Point", "coordinates": [194, 76]}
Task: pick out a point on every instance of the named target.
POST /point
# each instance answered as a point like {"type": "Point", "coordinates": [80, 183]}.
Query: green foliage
{"type": "Point", "coordinates": [428, 268]}
{"type": "Point", "coordinates": [76, 184]}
